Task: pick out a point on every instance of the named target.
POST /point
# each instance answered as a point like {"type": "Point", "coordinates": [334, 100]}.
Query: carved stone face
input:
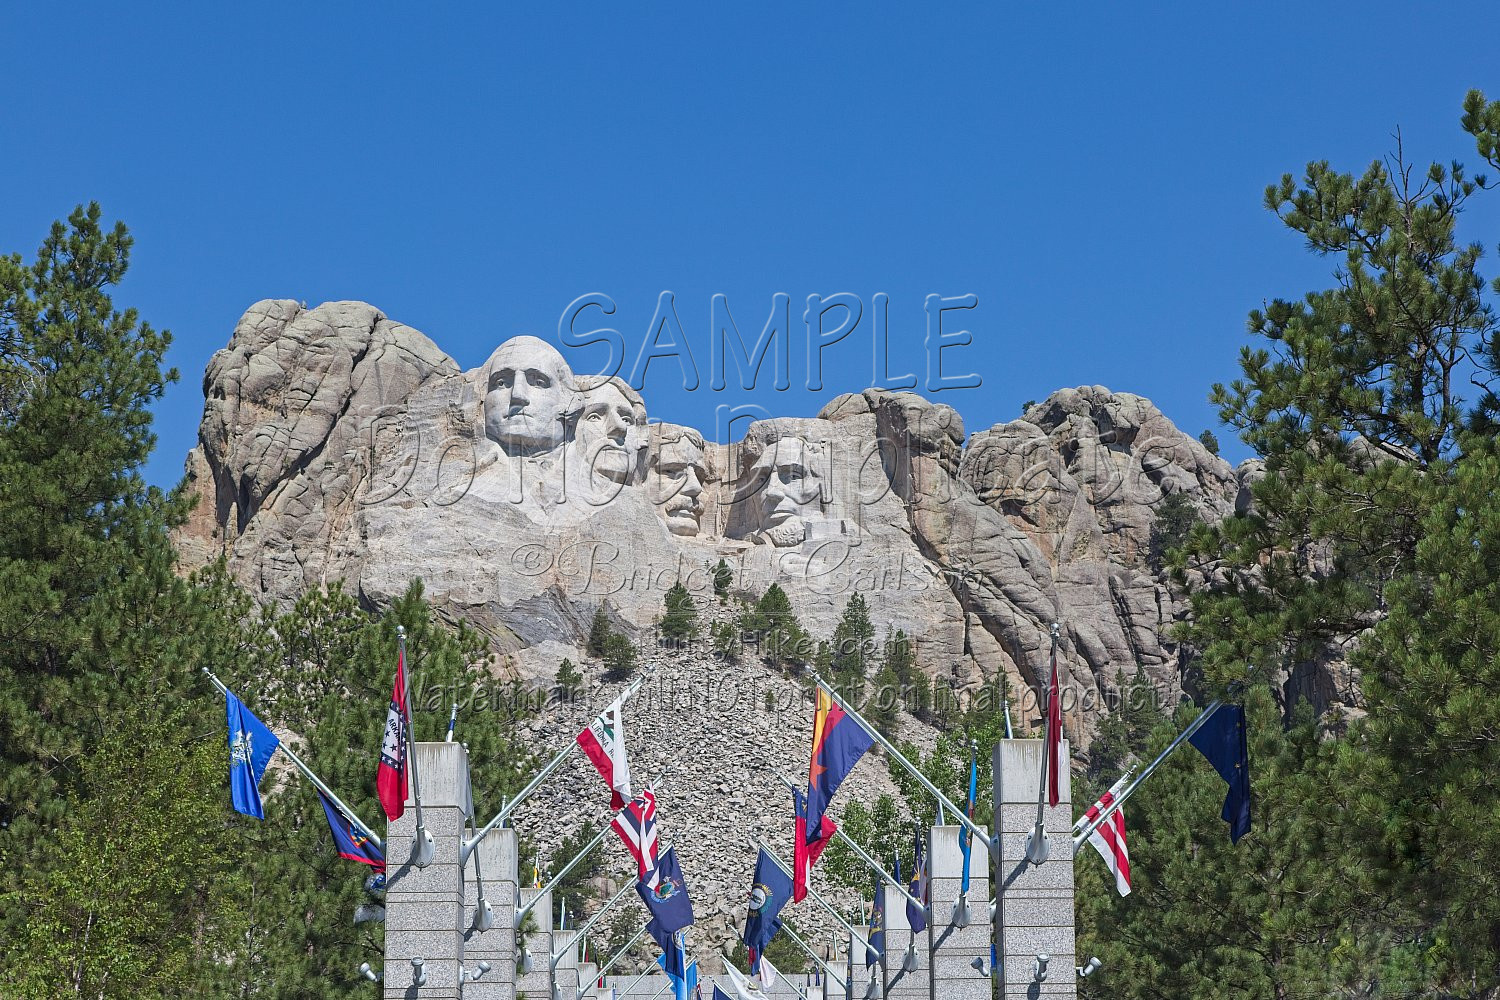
{"type": "Point", "coordinates": [679, 472]}
{"type": "Point", "coordinates": [611, 434]}
{"type": "Point", "coordinates": [790, 496]}
{"type": "Point", "coordinates": [528, 390]}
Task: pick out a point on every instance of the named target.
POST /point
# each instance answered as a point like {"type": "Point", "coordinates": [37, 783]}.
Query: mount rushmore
{"type": "Point", "coordinates": [337, 444]}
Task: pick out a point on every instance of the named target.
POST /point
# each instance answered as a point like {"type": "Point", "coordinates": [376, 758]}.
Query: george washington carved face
{"type": "Point", "coordinates": [528, 390]}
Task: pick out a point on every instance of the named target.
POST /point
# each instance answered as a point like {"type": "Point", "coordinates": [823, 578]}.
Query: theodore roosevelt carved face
{"type": "Point", "coordinates": [679, 474]}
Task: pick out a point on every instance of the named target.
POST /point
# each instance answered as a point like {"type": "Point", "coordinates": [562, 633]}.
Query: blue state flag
{"type": "Point", "coordinates": [1223, 741]}
{"type": "Point", "coordinates": [665, 893]}
{"type": "Point", "coordinates": [351, 842]}
{"type": "Point", "coordinates": [916, 916]}
{"type": "Point", "coordinates": [251, 745]}
{"type": "Point", "coordinates": [966, 838]}
{"type": "Point", "coordinates": [770, 891]}
{"type": "Point", "coordinates": [875, 948]}
{"type": "Point", "coordinates": [673, 960]}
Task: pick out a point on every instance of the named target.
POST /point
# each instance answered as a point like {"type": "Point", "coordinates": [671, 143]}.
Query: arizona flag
{"type": "Point", "coordinates": [805, 852]}
{"type": "Point", "coordinates": [1109, 838]}
{"type": "Point", "coordinates": [390, 779]}
{"type": "Point", "coordinates": [636, 825]}
{"type": "Point", "coordinates": [604, 742]}
{"type": "Point", "coordinates": [837, 745]}
{"type": "Point", "coordinates": [1055, 760]}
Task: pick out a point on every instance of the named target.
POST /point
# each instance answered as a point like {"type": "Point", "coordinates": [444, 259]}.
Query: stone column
{"type": "Point", "coordinates": [1035, 911]}
{"type": "Point", "coordinates": [955, 948]}
{"type": "Point", "coordinates": [900, 983]}
{"type": "Point", "coordinates": [537, 983]}
{"type": "Point", "coordinates": [424, 907]}
{"type": "Point", "coordinates": [498, 858]}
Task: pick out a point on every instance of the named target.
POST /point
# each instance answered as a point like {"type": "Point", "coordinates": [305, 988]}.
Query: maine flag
{"type": "Point", "coordinates": [1222, 740]}
{"type": "Point", "coordinates": [352, 842]}
{"type": "Point", "coordinates": [665, 893]}
{"type": "Point", "coordinates": [837, 745]}
{"type": "Point", "coordinates": [251, 745]}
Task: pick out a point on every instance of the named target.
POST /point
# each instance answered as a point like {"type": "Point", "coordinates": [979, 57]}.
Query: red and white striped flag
{"type": "Point", "coordinates": [1056, 762]}
{"type": "Point", "coordinates": [604, 743]}
{"type": "Point", "coordinates": [1109, 838]}
{"type": "Point", "coordinates": [390, 778]}
{"type": "Point", "coordinates": [636, 825]}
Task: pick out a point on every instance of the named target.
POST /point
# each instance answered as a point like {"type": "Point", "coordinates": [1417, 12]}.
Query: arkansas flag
{"type": "Point", "coordinates": [390, 779]}
{"type": "Point", "coordinates": [636, 825]}
{"type": "Point", "coordinates": [1055, 760]}
{"type": "Point", "coordinates": [604, 742]}
{"type": "Point", "coordinates": [805, 854]}
{"type": "Point", "coordinates": [1109, 838]}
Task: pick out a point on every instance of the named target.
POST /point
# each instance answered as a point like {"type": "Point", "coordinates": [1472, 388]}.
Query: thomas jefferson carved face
{"type": "Point", "coordinates": [528, 390]}
{"type": "Point", "coordinates": [790, 496]}
{"type": "Point", "coordinates": [611, 433]}
{"type": "Point", "coordinates": [679, 472]}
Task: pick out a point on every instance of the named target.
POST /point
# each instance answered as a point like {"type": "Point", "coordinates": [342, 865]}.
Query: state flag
{"type": "Point", "coordinates": [875, 943]}
{"type": "Point", "coordinates": [965, 836]}
{"type": "Point", "coordinates": [837, 745]}
{"type": "Point", "coordinates": [770, 891]}
{"type": "Point", "coordinates": [391, 776]}
{"type": "Point", "coordinates": [1222, 739]}
{"type": "Point", "coordinates": [665, 893]}
{"type": "Point", "coordinates": [805, 850]}
{"type": "Point", "coordinates": [604, 743]}
{"type": "Point", "coordinates": [916, 917]}
{"type": "Point", "coordinates": [251, 746]}
{"type": "Point", "coordinates": [1055, 760]}
{"type": "Point", "coordinates": [636, 825]}
{"type": "Point", "coordinates": [351, 842]}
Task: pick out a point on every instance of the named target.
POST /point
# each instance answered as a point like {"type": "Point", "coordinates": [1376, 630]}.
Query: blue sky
{"type": "Point", "coordinates": [1094, 179]}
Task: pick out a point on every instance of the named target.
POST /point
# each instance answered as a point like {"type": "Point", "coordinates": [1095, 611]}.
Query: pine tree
{"type": "Point", "coordinates": [599, 632]}
{"type": "Point", "coordinates": [771, 621]}
{"type": "Point", "coordinates": [619, 657]}
{"type": "Point", "coordinates": [569, 680]}
{"type": "Point", "coordinates": [680, 622]}
{"type": "Point", "coordinates": [853, 647]}
{"type": "Point", "coordinates": [723, 580]}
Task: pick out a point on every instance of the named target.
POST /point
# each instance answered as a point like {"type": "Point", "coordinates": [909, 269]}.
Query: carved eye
{"type": "Point", "coordinates": [538, 379]}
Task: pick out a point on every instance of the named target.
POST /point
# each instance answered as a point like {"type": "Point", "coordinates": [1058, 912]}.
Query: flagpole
{"type": "Point", "coordinates": [542, 775]}
{"type": "Point", "coordinates": [1036, 842]}
{"type": "Point", "coordinates": [896, 755]}
{"type": "Point", "coordinates": [484, 914]}
{"type": "Point", "coordinates": [621, 953]}
{"type": "Point", "coordinates": [843, 980]}
{"type": "Point", "coordinates": [1114, 790]}
{"type": "Point", "coordinates": [755, 842]}
{"type": "Point", "coordinates": [1088, 831]}
{"type": "Point", "coordinates": [317, 782]}
{"type": "Point", "coordinates": [423, 848]}
{"type": "Point", "coordinates": [582, 931]}
{"type": "Point", "coordinates": [863, 855]}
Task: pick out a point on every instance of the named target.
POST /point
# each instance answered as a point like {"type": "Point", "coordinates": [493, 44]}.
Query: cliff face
{"type": "Point", "coordinates": [337, 444]}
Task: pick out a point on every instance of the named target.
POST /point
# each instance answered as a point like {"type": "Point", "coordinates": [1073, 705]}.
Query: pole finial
{"type": "Point", "coordinates": [1056, 630]}
{"type": "Point", "coordinates": [401, 631]}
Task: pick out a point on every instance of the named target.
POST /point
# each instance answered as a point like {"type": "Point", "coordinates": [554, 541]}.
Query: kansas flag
{"type": "Point", "coordinates": [1222, 740]}
{"type": "Point", "coordinates": [251, 745]}
{"type": "Point", "coordinates": [352, 842]}
{"type": "Point", "coordinates": [837, 745]}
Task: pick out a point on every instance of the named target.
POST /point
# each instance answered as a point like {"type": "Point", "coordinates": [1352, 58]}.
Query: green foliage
{"type": "Point", "coordinates": [680, 622]}
{"type": "Point", "coordinates": [774, 627]}
{"type": "Point", "coordinates": [599, 632]}
{"type": "Point", "coordinates": [1210, 441]}
{"type": "Point", "coordinates": [569, 680]}
{"type": "Point", "coordinates": [881, 830]}
{"type": "Point", "coordinates": [572, 890]}
{"type": "Point", "coordinates": [853, 647]}
{"type": "Point", "coordinates": [782, 952]}
{"type": "Point", "coordinates": [619, 658]}
{"type": "Point", "coordinates": [1172, 522]}
{"type": "Point", "coordinates": [723, 580]}
{"type": "Point", "coordinates": [725, 639]}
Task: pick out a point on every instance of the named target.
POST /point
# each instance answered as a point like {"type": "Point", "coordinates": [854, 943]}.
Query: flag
{"type": "Point", "coordinates": [390, 779]}
{"type": "Point", "coordinates": [251, 746]}
{"type": "Point", "coordinates": [352, 842]}
{"type": "Point", "coordinates": [770, 890]}
{"type": "Point", "coordinates": [1109, 838]}
{"type": "Point", "coordinates": [719, 994]}
{"type": "Point", "coordinates": [673, 960]}
{"type": "Point", "coordinates": [837, 745]}
{"type": "Point", "coordinates": [875, 943]}
{"type": "Point", "coordinates": [1223, 741]}
{"type": "Point", "coordinates": [805, 852]}
{"type": "Point", "coordinates": [1055, 761]}
{"type": "Point", "coordinates": [965, 837]}
{"type": "Point", "coordinates": [744, 988]}
{"type": "Point", "coordinates": [536, 877]}
{"type": "Point", "coordinates": [636, 825]}
{"type": "Point", "coordinates": [665, 893]}
{"type": "Point", "coordinates": [604, 743]}
{"type": "Point", "coordinates": [767, 973]}
{"type": "Point", "coordinates": [916, 916]}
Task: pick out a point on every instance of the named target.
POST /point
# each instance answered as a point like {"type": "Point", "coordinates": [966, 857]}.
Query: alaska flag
{"type": "Point", "coordinates": [1222, 740]}
{"type": "Point", "coordinates": [965, 837]}
{"type": "Point", "coordinates": [837, 745]}
{"type": "Point", "coordinates": [806, 850]}
{"type": "Point", "coordinates": [917, 916]}
{"type": "Point", "coordinates": [771, 890]}
{"type": "Point", "coordinates": [352, 842]}
{"type": "Point", "coordinates": [665, 893]}
{"type": "Point", "coordinates": [251, 745]}
{"type": "Point", "coordinates": [875, 950]}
